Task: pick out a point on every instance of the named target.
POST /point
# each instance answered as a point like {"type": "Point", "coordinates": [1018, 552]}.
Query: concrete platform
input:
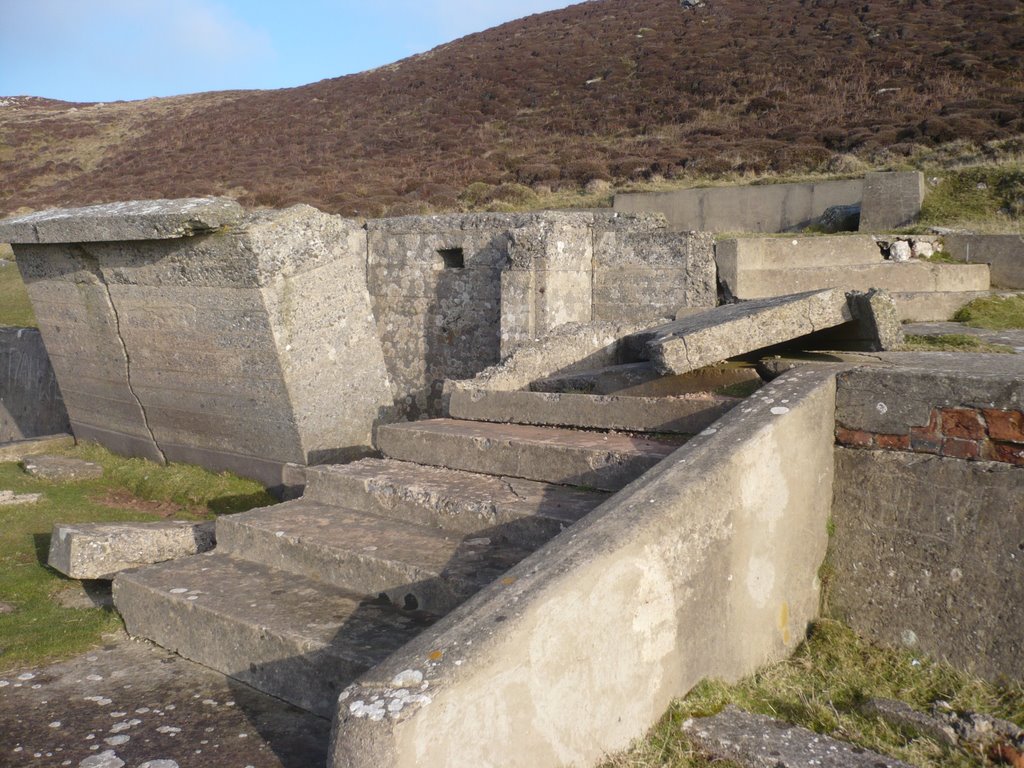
{"type": "Point", "coordinates": [418, 568]}
{"type": "Point", "coordinates": [294, 638]}
{"type": "Point", "coordinates": [549, 454]}
{"type": "Point", "coordinates": [518, 511]}
{"type": "Point", "coordinates": [644, 380]}
{"type": "Point", "coordinates": [684, 414]}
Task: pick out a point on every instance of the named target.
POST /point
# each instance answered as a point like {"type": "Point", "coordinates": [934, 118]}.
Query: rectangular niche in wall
{"type": "Point", "coordinates": [451, 258]}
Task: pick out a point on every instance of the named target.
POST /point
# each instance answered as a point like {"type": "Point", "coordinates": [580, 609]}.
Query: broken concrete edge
{"type": "Point", "coordinates": [581, 647]}
{"type": "Point", "coordinates": [16, 450]}
{"type": "Point", "coordinates": [102, 550]}
{"type": "Point", "coordinates": [135, 220]}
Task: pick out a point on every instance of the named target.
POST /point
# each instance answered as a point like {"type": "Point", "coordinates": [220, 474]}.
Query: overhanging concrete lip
{"type": "Point", "coordinates": [135, 220]}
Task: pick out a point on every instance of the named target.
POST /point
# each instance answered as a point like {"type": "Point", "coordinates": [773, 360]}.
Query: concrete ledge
{"type": "Point", "coordinates": [101, 550]}
{"type": "Point", "coordinates": [137, 220]}
{"type": "Point", "coordinates": [706, 566]}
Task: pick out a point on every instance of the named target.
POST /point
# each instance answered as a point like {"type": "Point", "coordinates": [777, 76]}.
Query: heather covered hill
{"type": "Point", "coordinates": [608, 89]}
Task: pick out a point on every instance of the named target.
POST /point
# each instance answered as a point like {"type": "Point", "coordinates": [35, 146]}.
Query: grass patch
{"type": "Point", "coordinates": [997, 313]}
{"type": "Point", "coordinates": [986, 198]}
{"type": "Point", "coordinates": [951, 342]}
{"type": "Point", "coordinates": [40, 629]}
{"type": "Point", "coordinates": [15, 308]}
{"type": "Point", "coordinates": [821, 688]}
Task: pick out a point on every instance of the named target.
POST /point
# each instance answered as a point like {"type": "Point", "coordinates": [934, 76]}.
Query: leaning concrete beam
{"type": "Point", "coordinates": [136, 220]}
{"type": "Point", "coordinates": [735, 329]}
{"type": "Point", "coordinates": [706, 566]}
{"type": "Point", "coordinates": [101, 550]}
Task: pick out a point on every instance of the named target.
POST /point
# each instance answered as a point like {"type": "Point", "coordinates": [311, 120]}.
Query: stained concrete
{"type": "Point", "coordinates": [927, 554]}
{"type": "Point", "coordinates": [579, 649]}
{"type": "Point", "coordinates": [31, 404]}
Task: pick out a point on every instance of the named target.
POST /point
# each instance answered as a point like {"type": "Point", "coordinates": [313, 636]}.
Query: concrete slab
{"type": "Point", "coordinates": [1013, 337]}
{"type": "Point", "coordinates": [519, 511]}
{"type": "Point", "coordinates": [101, 550]}
{"type": "Point", "coordinates": [932, 306]}
{"type": "Point", "coordinates": [167, 709]}
{"type": "Point", "coordinates": [759, 741]}
{"type": "Point", "coordinates": [644, 380]}
{"type": "Point", "coordinates": [61, 468]}
{"type": "Point", "coordinates": [289, 636]}
{"type": "Point", "coordinates": [606, 461]}
{"type": "Point", "coordinates": [735, 329]}
{"type": "Point", "coordinates": [136, 220]}
{"type": "Point", "coordinates": [417, 567]}
{"type": "Point", "coordinates": [684, 414]}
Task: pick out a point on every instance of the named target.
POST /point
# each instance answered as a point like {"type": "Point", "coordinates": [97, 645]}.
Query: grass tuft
{"type": "Point", "coordinates": [997, 313]}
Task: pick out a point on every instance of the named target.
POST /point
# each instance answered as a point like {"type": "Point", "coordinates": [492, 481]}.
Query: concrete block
{"type": "Point", "coordinates": [759, 741]}
{"type": "Point", "coordinates": [932, 306]}
{"type": "Point", "coordinates": [292, 637]}
{"type": "Point", "coordinates": [734, 329]}
{"type": "Point", "coordinates": [891, 199]}
{"type": "Point", "coordinates": [921, 558]}
{"type": "Point", "coordinates": [591, 459]}
{"type": "Point", "coordinates": [137, 220]}
{"type": "Point", "coordinates": [686, 414]}
{"type": "Point", "coordinates": [502, 508]}
{"type": "Point", "coordinates": [61, 468]}
{"type": "Point", "coordinates": [1004, 255]}
{"type": "Point", "coordinates": [754, 253]}
{"type": "Point", "coordinates": [100, 550]}
{"type": "Point", "coordinates": [31, 404]}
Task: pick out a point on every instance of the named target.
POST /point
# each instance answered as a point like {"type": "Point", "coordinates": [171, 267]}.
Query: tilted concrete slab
{"type": "Point", "coordinates": [101, 550]}
{"type": "Point", "coordinates": [685, 414]}
{"type": "Point", "coordinates": [644, 380]}
{"type": "Point", "coordinates": [504, 508]}
{"type": "Point", "coordinates": [735, 329]}
{"type": "Point", "coordinates": [136, 220]}
{"type": "Point", "coordinates": [572, 457]}
{"type": "Point", "coordinates": [706, 566]}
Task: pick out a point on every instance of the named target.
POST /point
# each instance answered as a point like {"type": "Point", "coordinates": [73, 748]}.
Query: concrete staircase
{"type": "Point", "coordinates": [299, 599]}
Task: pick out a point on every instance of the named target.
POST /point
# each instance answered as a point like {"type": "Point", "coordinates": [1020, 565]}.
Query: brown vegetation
{"type": "Point", "coordinates": [617, 90]}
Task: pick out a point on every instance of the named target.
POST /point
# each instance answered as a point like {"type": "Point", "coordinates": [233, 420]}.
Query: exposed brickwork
{"type": "Point", "coordinates": [975, 434]}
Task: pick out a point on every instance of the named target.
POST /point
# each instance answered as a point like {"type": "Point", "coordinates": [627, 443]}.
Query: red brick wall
{"type": "Point", "coordinates": [979, 434]}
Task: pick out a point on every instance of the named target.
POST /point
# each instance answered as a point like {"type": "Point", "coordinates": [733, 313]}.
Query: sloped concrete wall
{"type": "Point", "coordinates": [706, 566]}
{"type": "Point", "coordinates": [30, 401]}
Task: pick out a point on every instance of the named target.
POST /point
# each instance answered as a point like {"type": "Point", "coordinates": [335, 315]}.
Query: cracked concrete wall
{"type": "Point", "coordinates": [31, 404]}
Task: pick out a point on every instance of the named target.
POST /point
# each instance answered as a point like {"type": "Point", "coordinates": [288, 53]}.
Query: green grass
{"type": "Point", "coordinates": [821, 688]}
{"type": "Point", "coordinates": [997, 313]}
{"type": "Point", "coordinates": [951, 342]}
{"type": "Point", "coordinates": [40, 629]}
{"type": "Point", "coordinates": [986, 198]}
{"type": "Point", "coordinates": [15, 308]}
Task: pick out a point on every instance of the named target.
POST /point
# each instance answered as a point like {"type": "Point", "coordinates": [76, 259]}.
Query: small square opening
{"type": "Point", "coordinates": [452, 258]}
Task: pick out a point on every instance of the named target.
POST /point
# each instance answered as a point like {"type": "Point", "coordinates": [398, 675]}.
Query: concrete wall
{"type": "Point", "coordinates": [760, 208]}
{"type": "Point", "coordinates": [30, 401]}
{"type": "Point", "coordinates": [1003, 253]}
{"type": "Point", "coordinates": [706, 566]}
{"type": "Point", "coordinates": [928, 513]}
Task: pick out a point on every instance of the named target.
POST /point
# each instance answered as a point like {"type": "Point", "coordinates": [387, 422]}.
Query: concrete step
{"type": "Point", "coordinates": [606, 461]}
{"type": "Point", "coordinates": [747, 253]}
{"type": "Point", "coordinates": [891, 276]}
{"type": "Point", "coordinates": [683, 414]}
{"type": "Point", "coordinates": [644, 380]}
{"type": "Point", "coordinates": [520, 512]}
{"type": "Point", "coordinates": [416, 567]}
{"type": "Point", "coordinates": [298, 639]}
{"type": "Point", "coordinates": [936, 306]}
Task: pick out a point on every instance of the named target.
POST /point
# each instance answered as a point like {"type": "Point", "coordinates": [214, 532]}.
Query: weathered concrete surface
{"type": "Point", "coordinates": [759, 741]}
{"type": "Point", "coordinates": [504, 508]}
{"type": "Point", "coordinates": [30, 400]}
{"type": "Point", "coordinates": [16, 450]}
{"type": "Point", "coordinates": [759, 208]}
{"type": "Point", "coordinates": [743, 254]}
{"type": "Point", "coordinates": [905, 718]}
{"type": "Point", "coordinates": [932, 306]}
{"type": "Point", "coordinates": [61, 468]}
{"type": "Point", "coordinates": [1004, 255]}
{"type": "Point", "coordinates": [9, 498]}
{"type": "Point", "coordinates": [101, 550]}
{"type": "Point", "coordinates": [167, 709]}
{"type": "Point", "coordinates": [735, 329]}
{"type": "Point", "coordinates": [606, 461]}
{"type": "Point", "coordinates": [686, 414]}
{"type": "Point", "coordinates": [644, 380]}
{"type": "Point", "coordinates": [226, 350]}
{"type": "Point", "coordinates": [1010, 337]}
{"type": "Point", "coordinates": [136, 220]}
{"type": "Point", "coordinates": [295, 638]}
{"type": "Point", "coordinates": [891, 199]}
{"type": "Point", "coordinates": [927, 554]}
{"type": "Point", "coordinates": [704, 567]}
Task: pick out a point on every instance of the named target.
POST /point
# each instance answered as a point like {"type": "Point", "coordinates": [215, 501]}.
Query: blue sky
{"type": "Point", "coordinates": [106, 50]}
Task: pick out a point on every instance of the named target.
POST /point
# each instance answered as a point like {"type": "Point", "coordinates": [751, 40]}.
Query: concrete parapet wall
{"type": "Point", "coordinates": [706, 566]}
{"type": "Point", "coordinates": [30, 400]}
{"type": "Point", "coordinates": [1004, 255]}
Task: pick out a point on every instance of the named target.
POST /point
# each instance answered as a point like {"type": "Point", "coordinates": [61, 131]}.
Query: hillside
{"type": "Point", "coordinates": [608, 89]}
